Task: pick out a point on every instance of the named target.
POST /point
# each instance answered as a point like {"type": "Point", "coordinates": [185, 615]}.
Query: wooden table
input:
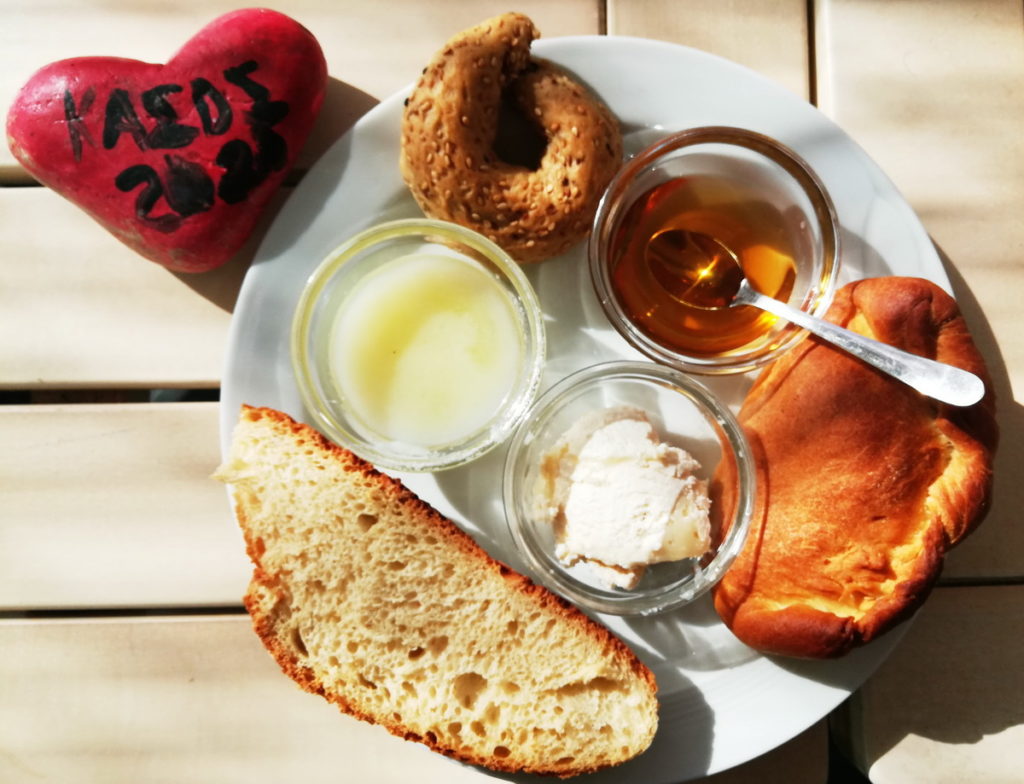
{"type": "Point", "coordinates": [126, 656]}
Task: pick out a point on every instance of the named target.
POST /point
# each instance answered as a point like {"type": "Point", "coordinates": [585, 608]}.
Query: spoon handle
{"type": "Point", "coordinates": [936, 380]}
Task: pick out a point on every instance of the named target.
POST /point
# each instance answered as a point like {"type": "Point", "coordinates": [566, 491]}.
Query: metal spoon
{"type": "Point", "coordinates": [700, 271]}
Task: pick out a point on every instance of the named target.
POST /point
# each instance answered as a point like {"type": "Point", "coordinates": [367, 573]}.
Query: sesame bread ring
{"type": "Point", "coordinates": [449, 129]}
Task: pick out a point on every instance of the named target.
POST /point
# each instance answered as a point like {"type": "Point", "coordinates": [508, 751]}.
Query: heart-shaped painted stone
{"type": "Point", "coordinates": [178, 161]}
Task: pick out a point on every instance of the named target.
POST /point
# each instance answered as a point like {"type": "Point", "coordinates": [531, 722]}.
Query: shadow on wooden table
{"type": "Point", "coordinates": [993, 550]}
{"type": "Point", "coordinates": [981, 331]}
{"type": "Point", "coordinates": [953, 684]}
{"type": "Point", "coordinates": [343, 106]}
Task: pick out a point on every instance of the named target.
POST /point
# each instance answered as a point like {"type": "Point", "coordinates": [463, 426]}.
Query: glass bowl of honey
{"type": "Point", "coordinates": [703, 199]}
{"type": "Point", "coordinates": [418, 344]}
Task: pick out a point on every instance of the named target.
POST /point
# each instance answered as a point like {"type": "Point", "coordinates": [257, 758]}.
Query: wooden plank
{"type": "Point", "coordinates": [199, 700]}
{"type": "Point", "coordinates": [935, 94]}
{"type": "Point", "coordinates": [112, 505]}
{"type": "Point", "coordinates": [770, 37]}
{"type": "Point", "coordinates": [79, 309]}
{"type": "Point", "coordinates": [372, 49]}
{"type": "Point", "coordinates": [946, 706]}
{"type": "Point", "coordinates": [179, 700]}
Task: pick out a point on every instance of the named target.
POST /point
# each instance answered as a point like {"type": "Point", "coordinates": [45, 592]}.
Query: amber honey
{"type": "Point", "coordinates": [753, 229]}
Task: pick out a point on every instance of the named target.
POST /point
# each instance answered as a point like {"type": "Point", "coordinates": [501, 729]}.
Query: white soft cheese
{"type": "Point", "coordinates": [624, 500]}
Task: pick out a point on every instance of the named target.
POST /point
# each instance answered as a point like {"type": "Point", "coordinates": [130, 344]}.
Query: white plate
{"type": "Point", "coordinates": [721, 703]}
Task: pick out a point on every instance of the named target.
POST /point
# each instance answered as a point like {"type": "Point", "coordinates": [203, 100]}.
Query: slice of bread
{"type": "Point", "coordinates": [369, 597]}
{"type": "Point", "coordinates": [863, 483]}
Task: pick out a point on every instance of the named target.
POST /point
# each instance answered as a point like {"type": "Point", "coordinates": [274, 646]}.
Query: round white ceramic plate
{"type": "Point", "coordinates": [721, 703]}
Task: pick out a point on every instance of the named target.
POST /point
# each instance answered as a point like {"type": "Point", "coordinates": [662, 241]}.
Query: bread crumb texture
{"type": "Point", "coordinates": [369, 597]}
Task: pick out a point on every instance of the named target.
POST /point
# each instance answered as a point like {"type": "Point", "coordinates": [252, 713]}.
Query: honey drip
{"type": "Point", "coordinates": [753, 230]}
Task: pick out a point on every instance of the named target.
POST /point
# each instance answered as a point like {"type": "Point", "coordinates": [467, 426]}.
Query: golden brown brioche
{"type": "Point", "coordinates": [863, 482]}
{"type": "Point", "coordinates": [451, 123]}
{"type": "Point", "coordinates": [367, 596]}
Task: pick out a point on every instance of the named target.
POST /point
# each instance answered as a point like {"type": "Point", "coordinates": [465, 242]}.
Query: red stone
{"type": "Point", "coordinates": [178, 161]}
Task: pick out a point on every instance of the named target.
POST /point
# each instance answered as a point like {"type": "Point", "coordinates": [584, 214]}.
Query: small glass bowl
{"type": "Point", "coordinates": [767, 180]}
{"type": "Point", "coordinates": [685, 414]}
{"type": "Point", "coordinates": [325, 298]}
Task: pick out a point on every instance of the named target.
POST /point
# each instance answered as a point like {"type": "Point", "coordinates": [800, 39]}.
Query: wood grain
{"type": "Point", "coordinates": [769, 36]}
{"type": "Point", "coordinates": [79, 309]}
{"type": "Point", "coordinates": [112, 505]}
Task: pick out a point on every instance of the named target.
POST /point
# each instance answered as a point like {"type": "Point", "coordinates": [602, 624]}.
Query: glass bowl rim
{"type": "Point", "coordinates": [482, 440]}
{"type": "Point", "coordinates": [820, 292]}
{"type": "Point", "coordinates": [669, 597]}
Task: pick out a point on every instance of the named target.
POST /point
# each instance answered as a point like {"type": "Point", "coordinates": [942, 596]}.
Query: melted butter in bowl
{"type": "Point", "coordinates": [426, 349]}
{"type": "Point", "coordinates": [418, 345]}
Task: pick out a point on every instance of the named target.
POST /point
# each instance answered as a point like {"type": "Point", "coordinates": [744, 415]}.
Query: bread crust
{"type": "Point", "coordinates": [267, 590]}
{"type": "Point", "coordinates": [449, 129]}
{"type": "Point", "coordinates": [863, 483]}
